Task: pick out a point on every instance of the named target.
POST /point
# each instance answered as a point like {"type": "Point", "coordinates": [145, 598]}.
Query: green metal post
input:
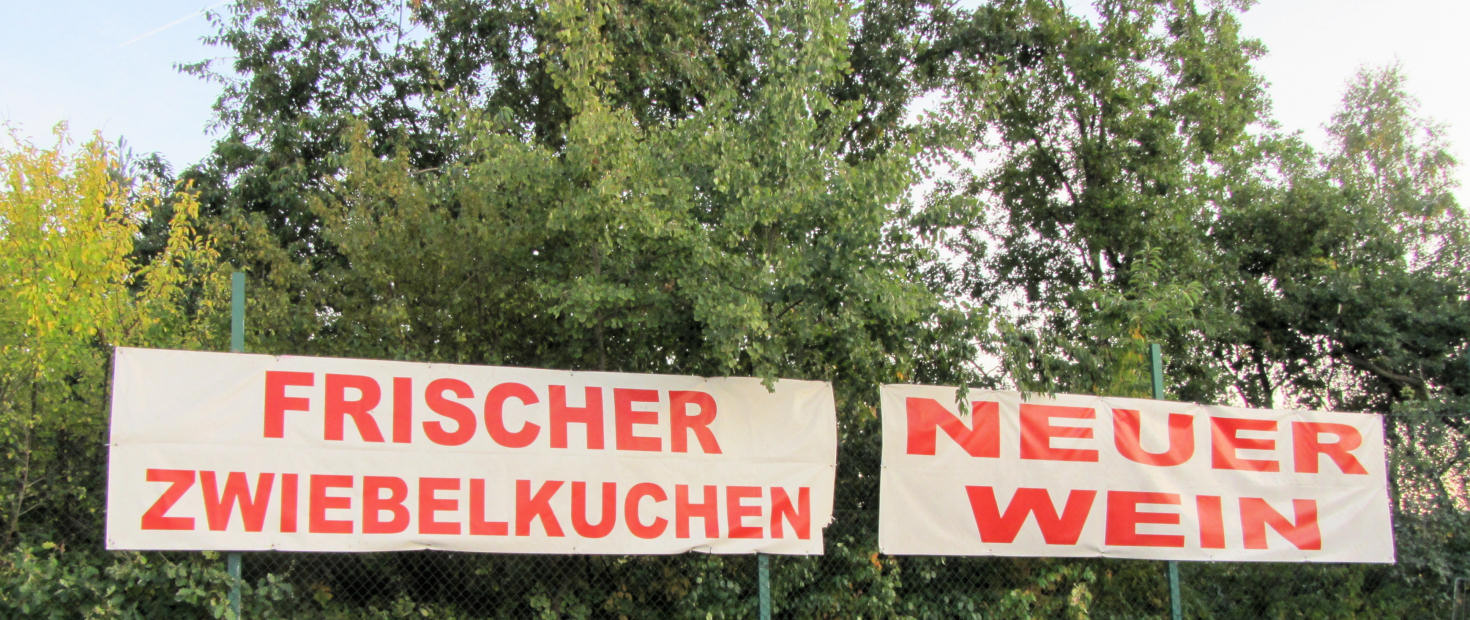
{"type": "Point", "coordinates": [237, 345]}
{"type": "Point", "coordinates": [1156, 368]}
{"type": "Point", "coordinates": [763, 570]}
{"type": "Point", "coordinates": [232, 564]}
{"type": "Point", "coordinates": [237, 312]}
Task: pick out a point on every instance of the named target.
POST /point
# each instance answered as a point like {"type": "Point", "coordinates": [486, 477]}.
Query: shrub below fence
{"type": "Point", "coordinates": [849, 580]}
{"type": "Point", "coordinates": [57, 569]}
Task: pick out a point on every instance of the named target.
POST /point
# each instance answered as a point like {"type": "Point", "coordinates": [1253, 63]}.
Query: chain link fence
{"type": "Point", "coordinates": [56, 568]}
{"type": "Point", "coordinates": [850, 580]}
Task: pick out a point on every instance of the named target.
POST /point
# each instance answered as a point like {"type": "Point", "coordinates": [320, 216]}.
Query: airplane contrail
{"type": "Point", "coordinates": [171, 24]}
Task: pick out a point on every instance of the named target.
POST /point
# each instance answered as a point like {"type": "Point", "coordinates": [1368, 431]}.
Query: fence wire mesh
{"type": "Point", "coordinates": [849, 580]}
{"type": "Point", "coordinates": [457, 585]}
{"type": "Point", "coordinates": [54, 567]}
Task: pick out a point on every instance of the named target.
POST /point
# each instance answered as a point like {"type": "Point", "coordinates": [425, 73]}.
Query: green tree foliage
{"type": "Point", "coordinates": [315, 81]}
{"type": "Point", "coordinates": [1106, 135]}
{"type": "Point", "coordinates": [651, 187]}
{"type": "Point", "coordinates": [1350, 269]}
{"type": "Point", "coordinates": [306, 72]}
{"type": "Point", "coordinates": [71, 286]}
{"type": "Point", "coordinates": [1353, 285]}
{"type": "Point", "coordinates": [1133, 192]}
{"type": "Point", "coordinates": [659, 186]}
{"type": "Point", "coordinates": [68, 221]}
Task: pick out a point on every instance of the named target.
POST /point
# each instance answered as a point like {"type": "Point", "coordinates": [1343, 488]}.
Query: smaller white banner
{"type": "Point", "coordinates": [242, 452]}
{"type": "Point", "coordinates": [1128, 478]}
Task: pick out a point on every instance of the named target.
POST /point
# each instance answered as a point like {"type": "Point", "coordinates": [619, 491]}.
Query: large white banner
{"type": "Point", "coordinates": [246, 452]}
{"type": "Point", "coordinates": [1128, 478]}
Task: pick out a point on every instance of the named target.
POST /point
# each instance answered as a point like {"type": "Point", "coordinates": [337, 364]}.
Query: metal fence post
{"type": "Point", "coordinates": [237, 345]}
{"type": "Point", "coordinates": [237, 312]}
{"type": "Point", "coordinates": [1458, 599]}
{"type": "Point", "coordinates": [763, 578]}
{"type": "Point", "coordinates": [1156, 369]}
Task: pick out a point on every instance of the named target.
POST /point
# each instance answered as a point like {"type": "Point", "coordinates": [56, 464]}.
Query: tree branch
{"type": "Point", "coordinates": [1366, 364]}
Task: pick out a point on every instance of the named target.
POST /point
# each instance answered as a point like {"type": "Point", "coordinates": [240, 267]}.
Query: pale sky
{"type": "Point", "coordinates": [109, 65]}
{"type": "Point", "coordinates": [1315, 46]}
{"type": "Point", "coordinates": [83, 62]}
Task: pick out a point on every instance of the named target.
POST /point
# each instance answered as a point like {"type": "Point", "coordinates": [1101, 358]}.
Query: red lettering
{"type": "Point", "coordinates": [588, 415]}
{"type": "Point", "coordinates": [288, 503]}
{"type": "Point", "coordinates": [319, 503]}
{"type": "Point", "coordinates": [1211, 522]}
{"type": "Point", "coordinates": [925, 415]}
{"type": "Point", "coordinates": [464, 419]}
{"type": "Point", "coordinates": [402, 410]}
{"type": "Point", "coordinates": [1126, 436]}
{"type": "Point", "coordinates": [1037, 432]}
{"type": "Point", "coordinates": [276, 401]}
{"type": "Point", "coordinates": [478, 525]}
{"type": "Point", "coordinates": [799, 517]}
{"type": "Point", "coordinates": [374, 504]}
{"type": "Point", "coordinates": [736, 510]}
{"type": "Point", "coordinates": [156, 517]}
{"type": "Point", "coordinates": [430, 504]}
{"type": "Point", "coordinates": [338, 408]}
{"type": "Point", "coordinates": [1055, 530]}
{"type": "Point", "coordinates": [579, 510]}
{"type": "Point", "coordinates": [632, 505]}
{"type": "Point", "coordinates": [682, 423]}
{"type": "Point", "coordinates": [626, 417]}
{"type": "Point", "coordinates": [495, 415]}
{"type": "Point", "coordinates": [1226, 441]}
{"type": "Point", "coordinates": [218, 506]}
{"type": "Point", "coordinates": [1256, 514]}
{"type": "Point", "coordinates": [529, 507]}
{"type": "Point", "coordinates": [1308, 447]}
{"type": "Point", "coordinates": [708, 510]}
{"type": "Point", "coordinates": [1124, 517]}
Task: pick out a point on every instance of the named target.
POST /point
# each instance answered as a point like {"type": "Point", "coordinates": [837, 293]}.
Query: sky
{"type": "Point", "coordinates": [109, 66]}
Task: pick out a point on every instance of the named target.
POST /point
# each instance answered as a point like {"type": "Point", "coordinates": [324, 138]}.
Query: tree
{"type": "Point", "coordinates": [306, 71]}
{"type": "Point", "coordinates": [1138, 195]}
{"type": "Point", "coordinates": [1353, 282]}
{"type": "Point", "coordinates": [686, 191]}
{"type": "Point", "coordinates": [68, 223]}
{"type": "Point", "coordinates": [1353, 266]}
{"type": "Point", "coordinates": [1109, 134]}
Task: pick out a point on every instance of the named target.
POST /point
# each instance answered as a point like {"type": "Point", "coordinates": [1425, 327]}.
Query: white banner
{"type": "Point", "coordinates": [243, 452]}
{"type": "Point", "coordinates": [1128, 478]}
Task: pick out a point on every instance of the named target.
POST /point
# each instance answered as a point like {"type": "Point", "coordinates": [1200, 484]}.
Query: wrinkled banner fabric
{"type": "Point", "coordinates": [1080, 476]}
{"type": "Point", "coordinates": [226, 451]}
